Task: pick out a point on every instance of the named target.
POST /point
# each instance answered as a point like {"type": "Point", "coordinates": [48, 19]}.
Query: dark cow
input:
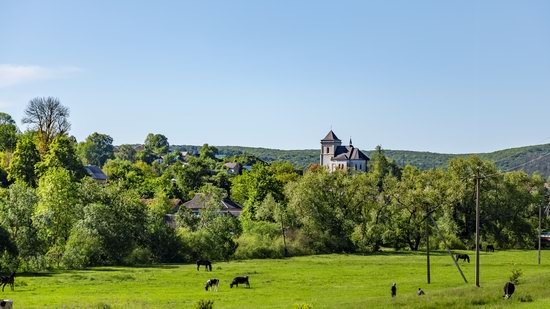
{"type": "Point", "coordinates": [509, 289]}
{"type": "Point", "coordinates": [490, 248]}
{"type": "Point", "coordinates": [207, 264]}
{"type": "Point", "coordinates": [240, 280]}
{"type": "Point", "coordinates": [463, 257]}
{"type": "Point", "coordinates": [393, 290]}
{"type": "Point", "coordinates": [8, 280]}
{"type": "Point", "coordinates": [212, 284]}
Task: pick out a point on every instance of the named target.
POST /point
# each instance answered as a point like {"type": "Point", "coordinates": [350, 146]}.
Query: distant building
{"type": "Point", "coordinates": [227, 206]}
{"type": "Point", "coordinates": [335, 157]}
{"type": "Point", "coordinates": [233, 168]}
{"type": "Point", "coordinates": [96, 173]}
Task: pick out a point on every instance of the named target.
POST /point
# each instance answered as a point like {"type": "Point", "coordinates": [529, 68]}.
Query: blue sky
{"type": "Point", "coordinates": [442, 76]}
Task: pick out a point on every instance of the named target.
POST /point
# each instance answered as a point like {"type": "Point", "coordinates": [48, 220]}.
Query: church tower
{"type": "Point", "coordinates": [328, 148]}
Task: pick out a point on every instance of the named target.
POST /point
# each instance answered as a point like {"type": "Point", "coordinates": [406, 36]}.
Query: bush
{"type": "Point", "coordinates": [138, 257]}
{"type": "Point", "coordinates": [204, 304]}
{"type": "Point", "coordinates": [302, 306]}
{"type": "Point", "coordinates": [254, 246]}
{"type": "Point", "coordinates": [516, 275]}
{"type": "Point", "coordinates": [82, 249]}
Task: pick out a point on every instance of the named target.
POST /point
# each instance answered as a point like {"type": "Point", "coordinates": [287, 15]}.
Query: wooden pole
{"type": "Point", "coordinates": [477, 228]}
{"type": "Point", "coordinates": [428, 247]}
{"type": "Point", "coordinates": [540, 229]}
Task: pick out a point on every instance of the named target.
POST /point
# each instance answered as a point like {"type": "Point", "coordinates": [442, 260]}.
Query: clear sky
{"type": "Point", "coordinates": [442, 76]}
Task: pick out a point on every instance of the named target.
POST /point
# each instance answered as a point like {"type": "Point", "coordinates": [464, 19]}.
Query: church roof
{"type": "Point", "coordinates": [331, 137]}
{"type": "Point", "coordinates": [344, 153]}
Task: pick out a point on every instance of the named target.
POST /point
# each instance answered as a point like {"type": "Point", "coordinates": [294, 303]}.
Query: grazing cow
{"type": "Point", "coordinates": [240, 280]}
{"type": "Point", "coordinates": [393, 290]}
{"type": "Point", "coordinates": [463, 257]}
{"type": "Point", "coordinates": [490, 248]}
{"type": "Point", "coordinates": [8, 280]}
{"type": "Point", "coordinates": [6, 304]}
{"type": "Point", "coordinates": [509, 289]}
{"type": "Point", "coordinates": [212, 284]}
{"type": "Point", "coordinates": [420, 292]}
{"type": "Point", "coordinates": [207, 264]}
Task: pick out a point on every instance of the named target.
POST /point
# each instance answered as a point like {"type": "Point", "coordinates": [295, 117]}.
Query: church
{"type": "Point", "coordinates": [335, 157]}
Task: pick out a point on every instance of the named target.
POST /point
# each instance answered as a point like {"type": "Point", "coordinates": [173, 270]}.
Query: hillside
{"type": "Point", "coordinates": [530, 158]}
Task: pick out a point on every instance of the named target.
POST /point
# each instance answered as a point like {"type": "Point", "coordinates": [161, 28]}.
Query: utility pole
{"type": "Point", "coordinates": [428, 246]}
{"type": "Point", "coordinates": [478, 179]}
{"type": "Point", "coordinates": [540, 229]}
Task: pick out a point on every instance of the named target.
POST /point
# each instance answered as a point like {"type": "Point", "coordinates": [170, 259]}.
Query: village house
{"type": "Point", "coordinates": [335, 157]}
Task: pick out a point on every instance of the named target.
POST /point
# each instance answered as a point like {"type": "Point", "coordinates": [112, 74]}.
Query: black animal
{"type": "Point", "coordinates": [463, 257]}
{"type": "Point", "coordinates": [6, 304]}
{"type": "Point", "coordinates": [393, 290]}
{"type": "Point", "coordinates": [420, 292]}
{"type": "Point", "coordinates": [509, 289]}
{"type": "Point", "coordinates": [207, 264]}
{"type": "Point", "coordinates": [490, 248]}
{"type": "Point", "coordinates": [240, 280]}
{"type": "Point", "coordinates": [212, 284]}
{"type": "Point", "coordinates": [8, 280]}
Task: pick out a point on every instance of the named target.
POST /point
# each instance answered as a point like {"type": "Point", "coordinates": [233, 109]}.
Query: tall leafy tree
{"type": "Point", "coordinates": [97, 149]}
{"type": "Point", "coordinates": [16, 216]}
{"type": "Point", "coordinates": [62, 154]}
{"type": "Point", "coordinates": [126, 152]}
{"type": "Point", "coordinates": [8, 133]}
{"type": "Point", "coordinates": [49, 118]}
{"type": "Point", "coordinates": [25, 157]}
{"type": "Point", "coordinates": [157, 144]}
{"type": "Point", "coordinates": [57, 211]}
{"type": "Point", "coordinates": [208, 152]}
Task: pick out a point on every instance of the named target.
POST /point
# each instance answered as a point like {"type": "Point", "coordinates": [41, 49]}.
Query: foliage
{"type": "Point", "coordinates": [156, 144]}
{"type": "Point", "coordinates": [516, 275]}
{"type": "Point", "coordinates": [62, 154]}
{"type": "Point", "coordinates": [96, 149]}
{"type": "Point", "coordinates": [204, 304]}
{"type": "Point", "coordinates": [8, 136]}
{"type": "Point", "coordinates": [126, 153]}
{"type": "Point", "coordinates": [22, 165]}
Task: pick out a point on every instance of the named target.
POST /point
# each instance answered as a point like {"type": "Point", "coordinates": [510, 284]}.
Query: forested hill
{"type": "Point", "coordinates": [530, 158]}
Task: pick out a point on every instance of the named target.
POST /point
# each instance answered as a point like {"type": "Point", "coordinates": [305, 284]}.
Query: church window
{"type": "Point", "coordinates": [328, 150]}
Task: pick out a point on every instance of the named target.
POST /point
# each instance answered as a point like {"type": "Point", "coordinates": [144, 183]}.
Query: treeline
{"type": "Point", "coordinates": [53, 215]}
{"type": "Point", "coordinates": [530, 159]}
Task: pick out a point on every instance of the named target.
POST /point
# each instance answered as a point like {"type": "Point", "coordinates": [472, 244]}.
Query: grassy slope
{"type": "Point", "coordinates": [326, 281]}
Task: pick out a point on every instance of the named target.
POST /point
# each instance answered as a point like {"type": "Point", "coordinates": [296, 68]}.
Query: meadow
{"type": "Point", "coordinates": [322, 281]}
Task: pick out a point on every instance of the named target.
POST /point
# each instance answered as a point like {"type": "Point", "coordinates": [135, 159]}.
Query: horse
{"type": "Point", "coordinates": [463, 257]}
{"type": "Point", "coordinates": [509, 289]}
{"type": "Point", "coordinates": [490, 248]}
{"type": "Point", "coordinates": [8, 280]}
{"type": "Point", "coordinates": [207, 264]}
{"type": "Point", "coordinates": [212, 284]}
{"type": "Point", "coordinates": [241, 280]}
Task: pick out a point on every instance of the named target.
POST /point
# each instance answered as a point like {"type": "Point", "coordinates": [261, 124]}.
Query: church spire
{"type": "Point", "coordinates": [350, 143]}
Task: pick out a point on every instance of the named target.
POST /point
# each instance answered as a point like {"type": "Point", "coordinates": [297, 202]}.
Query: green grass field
{"type": "Point", "coordinates": [324, 281]}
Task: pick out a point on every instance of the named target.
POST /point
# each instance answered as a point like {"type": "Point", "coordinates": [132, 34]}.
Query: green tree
{"type": "Point", "coordinates": [126, 152]}
{"type": "Point", "coordinates": [208, 152]}
{"type": "Point", "coordinates": [97, 149]}
{"type": "Point", "coordinates": [16, 211]}
{"type": "Point", "coordinates": [58, 209]}
{"type": "Point", "coordinates": [253, 186]}
{"type": "Point", "coordinates": [8, 133]}
{"type": "Point", "coordinates": [62, 154]}
{"type": "Point", "coordinates": [25, 157]}
{"type": "Point", "coordinates": [157, 144]}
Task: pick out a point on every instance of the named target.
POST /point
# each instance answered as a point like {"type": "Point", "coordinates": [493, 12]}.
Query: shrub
{"type": "Point", "coordinates": [82, 249]}
{"type": "Point", "coordinates": [516, 275]}
{"type": "Point", "coordinates": [302, 306]}
{"type": "Point", "coordinates": [254, 246]}
{"type": "Point", "coordinates": [204, 304]}
{"type": "Point", "coordinates": [526, 299]}
{"type": "Point", "coordinates": [138, 256]}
